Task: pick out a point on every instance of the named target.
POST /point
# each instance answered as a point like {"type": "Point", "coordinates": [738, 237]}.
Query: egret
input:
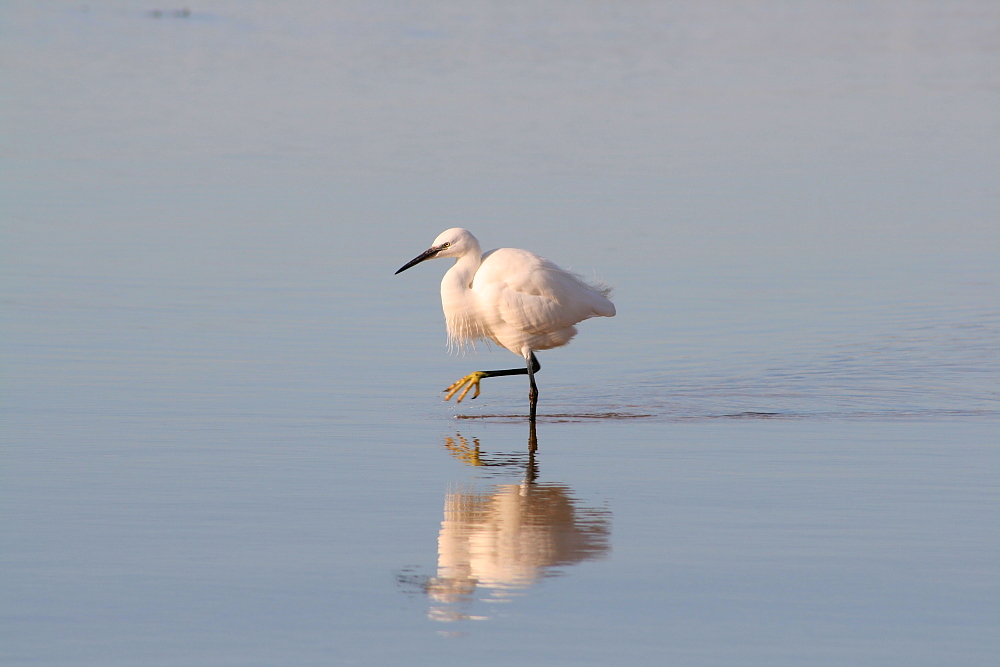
{"type": "Point", "coordinates": [518, 300]}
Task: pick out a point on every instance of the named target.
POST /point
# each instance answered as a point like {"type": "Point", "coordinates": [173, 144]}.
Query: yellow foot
{"type": "Point", "coordinates": [469, 381]}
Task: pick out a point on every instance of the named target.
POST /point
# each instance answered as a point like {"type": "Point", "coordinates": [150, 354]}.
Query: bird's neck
{"type": "Point", "coordinates": [457, 301]}
{"type": "Point", "coordinates": [458, 279]}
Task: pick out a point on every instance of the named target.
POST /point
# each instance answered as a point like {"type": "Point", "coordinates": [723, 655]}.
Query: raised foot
{"type": "Point", "coordinates": [469, 381]}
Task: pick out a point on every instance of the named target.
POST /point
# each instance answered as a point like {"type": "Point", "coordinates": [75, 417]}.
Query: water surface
{"type": "Point", "coordinates": [223, 434]}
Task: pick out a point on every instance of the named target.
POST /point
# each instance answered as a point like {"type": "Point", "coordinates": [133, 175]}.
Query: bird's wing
{"type": "Point", "coordinates": [535, 296]}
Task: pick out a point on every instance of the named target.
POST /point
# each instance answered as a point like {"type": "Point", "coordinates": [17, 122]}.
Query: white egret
{"type": "Point", "coordinates": [512, 297]}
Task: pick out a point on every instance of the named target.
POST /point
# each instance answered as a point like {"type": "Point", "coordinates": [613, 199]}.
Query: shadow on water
{"type": "Point", "coordinates": [690, 414]}
{"type": "Point", "coordinates": [561, 417]}
{"type": "Point", "coordinates": [585, 417]}
{"type": "Point", "coordinates": [497, 541]}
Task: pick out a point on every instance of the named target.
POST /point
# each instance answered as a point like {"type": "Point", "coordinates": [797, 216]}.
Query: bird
{"type": "Point", "coordinates": [514, 298]}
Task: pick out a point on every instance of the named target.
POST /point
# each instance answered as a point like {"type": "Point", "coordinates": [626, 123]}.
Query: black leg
{"type": "Point", "coordinates": [471, 381]}
{"type": "Point", "coordinates": [532, 362]}
{"type": "Point", "coordinates": [532, 367]}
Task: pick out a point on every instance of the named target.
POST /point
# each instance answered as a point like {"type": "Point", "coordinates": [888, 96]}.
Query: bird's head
{"type": "Point", "coordinates": [454, 242]}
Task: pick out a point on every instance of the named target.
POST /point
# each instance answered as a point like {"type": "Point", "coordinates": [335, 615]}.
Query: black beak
{"type": "Point", "coordinates": [425, 255]}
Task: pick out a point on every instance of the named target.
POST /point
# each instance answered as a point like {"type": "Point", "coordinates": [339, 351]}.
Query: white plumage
{"type": "Point", "coordinates": [512, 297]}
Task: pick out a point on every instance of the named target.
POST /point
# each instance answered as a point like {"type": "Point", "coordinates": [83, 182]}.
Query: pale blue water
{"type": "Point", "coordinates": [223, 435]}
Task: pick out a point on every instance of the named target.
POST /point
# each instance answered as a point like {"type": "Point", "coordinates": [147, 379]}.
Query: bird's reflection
{"type": "Point", "coordinates": [496, 541]}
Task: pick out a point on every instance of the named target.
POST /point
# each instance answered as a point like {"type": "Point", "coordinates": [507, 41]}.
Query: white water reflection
{"type": "Point", "coordinates": [498, 541]}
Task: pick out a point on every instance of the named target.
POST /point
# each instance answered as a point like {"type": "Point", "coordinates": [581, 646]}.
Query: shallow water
{"type": "Point", "coordinates": [224, 440]}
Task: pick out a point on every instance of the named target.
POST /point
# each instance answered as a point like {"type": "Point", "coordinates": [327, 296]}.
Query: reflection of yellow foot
{"type": "Point", "coordinates": [469, 381]}
{"type": "Point", "coordinates": [463, 450]}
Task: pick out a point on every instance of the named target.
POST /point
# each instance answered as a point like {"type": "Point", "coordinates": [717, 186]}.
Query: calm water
{"type": "Point", "coordinates": [223, 435]}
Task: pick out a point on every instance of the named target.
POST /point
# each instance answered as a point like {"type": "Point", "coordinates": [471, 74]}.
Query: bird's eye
{"type": "Point", "coordinates": [446, 245]}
